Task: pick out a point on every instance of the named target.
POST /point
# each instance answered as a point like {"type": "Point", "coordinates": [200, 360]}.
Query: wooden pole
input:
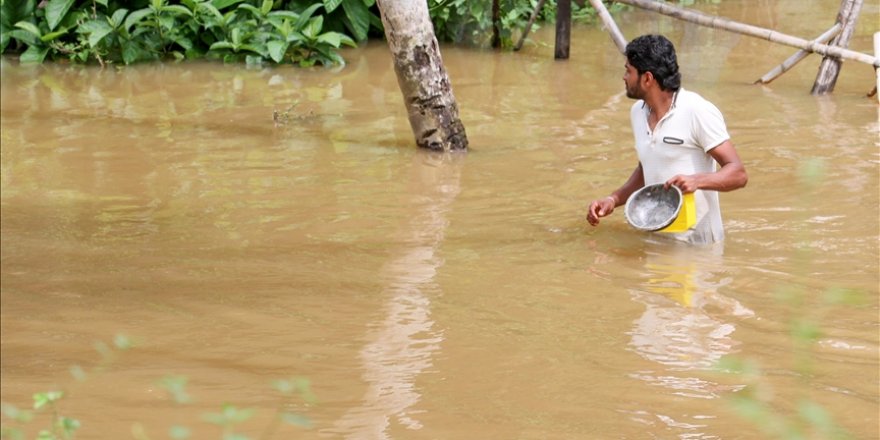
{"type": "Point", "coordinates": [752, 31]}
{"type": "Point", "coordinates": [798, 56]}
{"type": "Point", "coordinates": [830, 67]}
{"type": "Point", "coordinates": [876, 70]}
{"type": "Point", "coordinates": [528, 28]}
{"type": "Point", "coordinates": [563, 29]}
{"type": "Point", "coordinates": [496, 24]}
{"type": "Point", "coordinates": [610, 25]}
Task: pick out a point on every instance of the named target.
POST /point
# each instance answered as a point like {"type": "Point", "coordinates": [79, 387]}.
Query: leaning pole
{"type": "Point", "coordinates": [427, 92]}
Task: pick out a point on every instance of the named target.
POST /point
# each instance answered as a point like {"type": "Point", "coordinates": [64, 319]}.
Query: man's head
{"type": "Point", "coordinates": [652, 54]}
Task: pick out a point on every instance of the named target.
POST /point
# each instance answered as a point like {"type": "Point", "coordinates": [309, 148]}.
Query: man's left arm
{"type": "Point", "coordinates": [730, 176]}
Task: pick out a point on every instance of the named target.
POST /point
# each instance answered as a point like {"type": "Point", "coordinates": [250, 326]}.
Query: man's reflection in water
{"type": "Point", "coordinates": [687, 325]}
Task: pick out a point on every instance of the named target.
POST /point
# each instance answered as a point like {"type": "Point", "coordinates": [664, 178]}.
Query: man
{"type": "Point", "coordinates": [679, 138]}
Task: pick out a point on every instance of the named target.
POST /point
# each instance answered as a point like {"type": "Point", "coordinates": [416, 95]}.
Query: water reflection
{"type": "Point", "coordinates": [403, 342]}
{"type": "Point", "coordinates": [687, 325]}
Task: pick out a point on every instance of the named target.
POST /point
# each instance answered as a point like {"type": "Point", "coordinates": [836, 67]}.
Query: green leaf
{"type": "Point", "coordinates": [805, 331]}
{"type": "Point", "coordinates": [358, 16]}
{"type": "Point", "coordinates": [69, 426]}
{"type": "Point", "coordinates": [4, 41]}
{"type": "Point", "coordinates": [53, 35]}
{"type": "Point", "coordinates": [130, 52]}
{"type": "Point", "coordinates": [255, 49]}
{"type": "Point", "coordinates": [30, 27]}
{"type": "Point", "coordinates": [212, 10]}
{"type": "Point", "coordinates": [236, 36]}
{"type": "Point", "coordinates": [177, 10]}
{"type": "Point", "coordinates": [250, 8]}
{"type": "Point", "coordinates": [24, 37]}
{"type": "Point", "coordinates": [314, 27]}
{"type": "Point", "coordinates": [97, 31]}
{"type": "Point", "coordinates": [331, 38]}
{"type": "Point", "coordinates": [229, 415]}
{"type": "Point", "coordinates": [14, 413]}
{"type": "Point", "coordinates": [12, 12]}
{"type": "Point", "coordinates": [178, 432]}
{"type": "Point", "coordinates": [55, 12]}
{"type": "Point", "coordinates": [135, 18]}
{"type": "Point", "coordinates": [331, 5]}
{"type": "Point", "coordinates": [304, 16]}
{"type": "Point", "coordinates": [296, 419]}
{"type": "Point", "coordinates": [118, 17]}
{"type": "Point", "coordinates": [267, 7]}
{"type": "Point", "coordinates": [222, 45]}
{"type": "Point", "coordinates": [34, 54]}
{"type": "Point", "coordinates": [101, 2]}
{"type": "Point", "coordinates": [346, 40]}
{"type": "Point", "coordinates": [277, 49]}
{"type": "Point", "coordinates": [295, 37]}
{"type": "Point", "coordinates": [47, 398]}
{"type": "Point", "coordinates": [285, 14]}
{"type": "Point", "coordinates": [222, 4]}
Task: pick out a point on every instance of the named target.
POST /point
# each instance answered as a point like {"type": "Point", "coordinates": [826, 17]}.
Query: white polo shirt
{"type": "Point", "coordinates": [680, 144]}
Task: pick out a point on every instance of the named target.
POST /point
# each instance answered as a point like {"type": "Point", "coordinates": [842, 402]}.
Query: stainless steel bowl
{"type": "Point", "coordinates": [653, 207]}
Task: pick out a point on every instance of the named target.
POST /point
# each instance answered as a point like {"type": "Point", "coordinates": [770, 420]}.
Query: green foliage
{"type": "Point", "coordinates": [254, 31]}
{"type": "Point", "coordinates": [228, 419]}
{"type": "Point", "coordinates": [300, 32]}
{"type": "Point", "coordinates": [471, 22]}
{"type": "Point", "coordinates": [806, 418]}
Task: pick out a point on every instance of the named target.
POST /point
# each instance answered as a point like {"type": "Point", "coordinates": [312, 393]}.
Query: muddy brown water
{"type": "Point", "coordinates": [426, 296]}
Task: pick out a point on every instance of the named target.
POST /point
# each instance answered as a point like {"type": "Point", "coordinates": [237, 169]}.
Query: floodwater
{"type": "Point", "coordinates": [437, 297]}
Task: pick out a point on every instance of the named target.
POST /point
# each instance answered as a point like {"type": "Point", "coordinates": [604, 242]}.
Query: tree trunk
{"type": "Point", "coordinates": [563, 29]}
{"type": "Point", "coordinates": [830, 67]}
{"type": "Point", "coordinates": [427, 92]}
{"type": "Point", "coordinates": [496, 24]}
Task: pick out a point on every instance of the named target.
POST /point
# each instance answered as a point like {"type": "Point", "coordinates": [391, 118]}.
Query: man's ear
{"type": "Point", "coordinates": [649, 77]}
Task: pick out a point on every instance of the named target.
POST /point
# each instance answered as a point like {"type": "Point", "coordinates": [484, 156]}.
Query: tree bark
{"type": "Point", "coordinates": [563, 29]}
{"type": "Point", "coordinates": [496, 24]}
{"type": "Point", "coordinates": [830, 67]}
{"type": "Point", "coordinates": [752, 31]}
{"type": "Point", "coordinates": [427, 92]}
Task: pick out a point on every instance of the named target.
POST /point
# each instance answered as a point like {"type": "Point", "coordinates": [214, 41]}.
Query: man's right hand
{"type": "Point", "coordinates": [601, 208]}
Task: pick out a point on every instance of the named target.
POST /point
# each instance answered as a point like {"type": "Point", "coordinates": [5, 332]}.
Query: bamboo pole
{"type": "Point", "coordinates": [610, 25]}
{"type": "Point", "coordinates": [752, 31]}
{"type": "Point", "coordinates": [528, 28]}
{"type": "Point", "coordinates": [798, 56]}
{"type": "Point", "coordinates": [829, 70]}
{"type": "Point", "coordinates": [877, 71]}
{"type": "Point", "coordinates": [563, 29]}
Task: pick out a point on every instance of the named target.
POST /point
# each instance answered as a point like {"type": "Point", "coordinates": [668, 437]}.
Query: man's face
{"type": "Point", "coordinates": [632, 80]}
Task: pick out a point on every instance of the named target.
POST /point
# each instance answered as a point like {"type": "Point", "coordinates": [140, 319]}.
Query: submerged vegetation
{"type": "Point", "coordinates": [300, 32]}
{"type": "Point", "coordinates": [49, 407]}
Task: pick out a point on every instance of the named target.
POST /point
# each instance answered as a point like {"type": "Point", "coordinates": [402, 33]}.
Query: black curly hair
{"type": "Point", "coordinates": [655, 54]}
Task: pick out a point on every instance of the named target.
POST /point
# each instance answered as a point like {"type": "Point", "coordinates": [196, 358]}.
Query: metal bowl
{"type": "Point", "coordinates": [653, 207]}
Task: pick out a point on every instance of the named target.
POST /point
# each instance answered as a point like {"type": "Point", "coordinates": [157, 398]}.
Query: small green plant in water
{"type": "Point", "coordinates": [294, 392]}
{"type": "Point", "coordinates": [807, 419]}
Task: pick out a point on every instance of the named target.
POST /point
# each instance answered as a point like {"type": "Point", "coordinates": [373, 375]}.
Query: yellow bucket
{"type": "Point", "coordinates": [687, 215]}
